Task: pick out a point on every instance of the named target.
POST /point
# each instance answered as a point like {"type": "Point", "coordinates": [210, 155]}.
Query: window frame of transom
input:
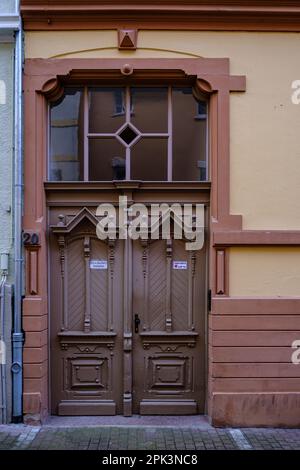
{"type": "Point", "coordinates": [127, 86]}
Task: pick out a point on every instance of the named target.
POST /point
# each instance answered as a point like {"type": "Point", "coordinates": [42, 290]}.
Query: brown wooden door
{"type": "Point", "coordinates": [102, 360]}
{"type": "Point", "coordinates": [86, 320]}
{"type": "Point", "coordinates": [169, 326]}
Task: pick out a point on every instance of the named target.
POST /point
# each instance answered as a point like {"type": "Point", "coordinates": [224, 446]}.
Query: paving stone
{"type": "Point", "coordinates": [146, 438]}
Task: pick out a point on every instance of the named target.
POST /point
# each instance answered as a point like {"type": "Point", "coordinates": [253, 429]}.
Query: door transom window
{"type": "Point", "coordinates": [128, 133]}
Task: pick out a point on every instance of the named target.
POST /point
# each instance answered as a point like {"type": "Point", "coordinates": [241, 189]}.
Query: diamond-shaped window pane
{"type": "Point", "coordinates": [128, 135]}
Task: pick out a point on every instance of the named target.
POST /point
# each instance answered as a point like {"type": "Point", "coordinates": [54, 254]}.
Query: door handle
{"type": "Point", "coordinates": [137, 322]}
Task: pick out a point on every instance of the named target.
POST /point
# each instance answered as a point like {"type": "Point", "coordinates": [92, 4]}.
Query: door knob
{"type": "Point", "coordinates": [137, 321]}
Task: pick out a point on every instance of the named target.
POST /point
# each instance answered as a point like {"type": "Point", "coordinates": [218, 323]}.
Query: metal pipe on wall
{"type": "Point", "coordinates": [2, 338]}
{"type": "Point", "coordinates": [4, 264]}
{"type": "Point", "coordinates": [17, 335]}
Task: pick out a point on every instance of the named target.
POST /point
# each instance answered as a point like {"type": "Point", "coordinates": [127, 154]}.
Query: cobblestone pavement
{"type": "Point", "coordinates": [145, 438]}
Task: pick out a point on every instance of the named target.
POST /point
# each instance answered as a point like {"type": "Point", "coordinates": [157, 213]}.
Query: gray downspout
{"type": "Point", "coordinates": [17, 335]}
{"type": "Point", "coordinates": [2, 338]}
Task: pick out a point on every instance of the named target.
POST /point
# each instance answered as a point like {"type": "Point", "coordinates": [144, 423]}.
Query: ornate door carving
{"type": "Point", "coordinates": [127, 323]}
{"type": "Point", "coordinates": [169, 341]}
{"type": "Point", "coordinates": [86, 319]}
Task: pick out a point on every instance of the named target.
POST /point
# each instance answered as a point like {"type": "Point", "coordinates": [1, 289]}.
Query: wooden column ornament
{"type": "Point", "coordinates": [169, 253]}
{"type": "Point", "coordinates": [111, 258]}
{"type": "Point", "coordinates": [87, 313]}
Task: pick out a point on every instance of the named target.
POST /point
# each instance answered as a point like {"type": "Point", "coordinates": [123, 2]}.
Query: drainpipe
{"type": "Point", "coordinates": [17, 335]}
{"type": "Point", "coordinates": [3, 268]}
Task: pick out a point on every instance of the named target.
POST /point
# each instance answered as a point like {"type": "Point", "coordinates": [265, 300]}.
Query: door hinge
{"type": "Point", "coordinates": [209, 300]}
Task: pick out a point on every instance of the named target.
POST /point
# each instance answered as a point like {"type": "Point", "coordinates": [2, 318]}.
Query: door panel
{"type": "Point", "coordinates": [169, 347]}
{"type": "Point", "coordinates": [86, 322]}
{"type": "Point", "coordinates": [99, 364]}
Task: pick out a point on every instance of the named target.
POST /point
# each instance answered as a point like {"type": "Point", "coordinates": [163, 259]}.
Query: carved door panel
{"type": "Point", "coordinates": [169, 323]}
{"type": "Point", "coordinates": [86, 319]}
{"type": "Point", "coordinates": [127, 323]}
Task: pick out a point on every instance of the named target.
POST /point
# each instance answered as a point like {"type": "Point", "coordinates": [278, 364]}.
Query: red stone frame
{"type": "Point", "coordinates": [43, 81]}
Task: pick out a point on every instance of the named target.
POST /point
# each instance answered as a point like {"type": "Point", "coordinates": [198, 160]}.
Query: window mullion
{"type": "Point", "coordinates": [85, 133]}
{"type": "Point", "coordinates": [128, 153]}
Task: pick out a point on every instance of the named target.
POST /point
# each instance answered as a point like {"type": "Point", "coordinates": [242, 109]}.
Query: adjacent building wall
{"type": "Point", "coordinates": [6, 179]}
{"type": "Point", "coordinates": [6, 147]}
{"type": "Point", "coordinates": [8, 6]}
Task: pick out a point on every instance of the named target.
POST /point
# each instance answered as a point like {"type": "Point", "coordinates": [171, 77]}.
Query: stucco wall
{"type": "Point", "coordinates": [6, 148]}
{"type": "Point", "coordinates": [264, 132]}
{"type": "Point", "coordinates": [7, 6]}
{"type": "Point", "coordinates": [264, 272]}
{"type": "Point", "coordinates": [265, 152]}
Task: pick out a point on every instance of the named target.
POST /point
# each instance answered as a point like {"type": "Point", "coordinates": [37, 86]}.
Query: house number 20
{"type": "Point", "coordinates": [31, 238]}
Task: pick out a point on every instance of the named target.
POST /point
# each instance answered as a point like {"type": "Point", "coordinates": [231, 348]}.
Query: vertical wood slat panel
{"type": "Point", "coordinates": [87, 312]}
{"type": "Point", "coordinates": [145, 282]}
{"type": "Point", "coordinates": [168, 324]}
{"type": "Point", "coordinates": [111, 259]}
{"type": "Point", "coordinates": [191, 281]}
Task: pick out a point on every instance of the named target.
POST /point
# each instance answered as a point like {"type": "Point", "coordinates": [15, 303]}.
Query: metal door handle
{"type": "Point", "coordinates": [137, 321]}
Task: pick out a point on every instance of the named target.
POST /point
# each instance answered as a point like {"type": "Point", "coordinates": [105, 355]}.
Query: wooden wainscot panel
{"type": "Point", "coordinates": [168, 371]}
{"type": "Point", "coordinates": [86, 341]}
{"type": "Point", "coordinates": [170, 407]}
{"type": "Point", "coordinates": [169, 340]}
{"type": "Point", "coordinates": [87, 359]}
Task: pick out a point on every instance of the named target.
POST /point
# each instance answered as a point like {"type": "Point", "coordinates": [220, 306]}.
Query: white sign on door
{"type": "Point", "coordinates": [179, 264]}
{"type": "Point", "coordinates": [98, 264]}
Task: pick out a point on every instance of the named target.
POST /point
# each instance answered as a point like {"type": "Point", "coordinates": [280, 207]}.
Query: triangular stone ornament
{"type": "Point", "coordinates": [127, 38]}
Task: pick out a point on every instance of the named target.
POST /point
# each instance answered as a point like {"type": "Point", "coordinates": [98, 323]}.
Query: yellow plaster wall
{"type": "Point", "coordinates": [263, 272]}
{"type": "Point", "coordinates": [265, 125]}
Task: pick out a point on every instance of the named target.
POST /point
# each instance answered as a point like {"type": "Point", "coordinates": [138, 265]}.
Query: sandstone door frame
{"type": "Point", "coordinates": [43, 81]}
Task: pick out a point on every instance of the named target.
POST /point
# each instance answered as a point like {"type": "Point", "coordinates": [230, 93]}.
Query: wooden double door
{"type": "Point", "coordinates": [127, 322]}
